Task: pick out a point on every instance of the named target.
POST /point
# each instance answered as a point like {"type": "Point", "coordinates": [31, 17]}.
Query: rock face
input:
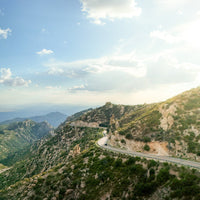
{"type": "Point", "coordinates": [167, 120]}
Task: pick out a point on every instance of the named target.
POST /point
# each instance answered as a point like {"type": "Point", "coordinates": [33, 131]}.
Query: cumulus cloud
{"type": "Point", "coordinates": [7, 79]}
{"type": "Point", "coordinates": [44, 52]}
{"type": "Point", "coordinates": [4, 33]}
{"type": "Point", "coordinates": [99, 10]}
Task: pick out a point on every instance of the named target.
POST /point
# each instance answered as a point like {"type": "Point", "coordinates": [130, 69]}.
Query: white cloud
{"type": "Point", "coordinates": [7, 79]}
{"type": "Point", "coordinates": [4, 33]}
{"type": "Point", "coordinates": [125, 73]}
{"type": "Point", "coordinates": [164, 35]}
{"type": "Point", "coordinates": [190, 33]}
{"type": "Point", "coordinates": [53, 87]}
{"type": "Point", "coordinates": [127, 64]}
{"type": "Point", "coordinates": [99, 10]}
{"type": "Point", "coordinates": [77, 88]}
{"type": "Point", "coordinates": [44, 52]}
{"type": "Point", "coordinates": [186, 34]}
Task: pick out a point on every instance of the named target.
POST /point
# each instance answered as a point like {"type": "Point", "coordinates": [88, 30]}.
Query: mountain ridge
{"type": "Point", "coordinates": [53, 118]}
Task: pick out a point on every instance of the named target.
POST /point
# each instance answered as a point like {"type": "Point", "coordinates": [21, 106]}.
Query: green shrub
{"type": "Point", "coordinates": [163, 176]}
{"type": "Point", "coordinates": [129, 136]}
{"type": "Point", "coordinates": [146, 147]}
{"type": "Point", "coordinates": [147, 139]}
{"type": "Point", "coordinates": [123, 141]}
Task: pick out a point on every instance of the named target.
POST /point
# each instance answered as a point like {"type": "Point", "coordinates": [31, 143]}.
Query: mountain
{"type": "Point", "coordinates": [53, 118]}
{"type": "Point", "coordinates": [102, 116]}
{"type": "Point", "coordinates": [171, 127]}
{"type": "Point", "coordinates": [16, 136]}
{"type": "Point", "coordinates": [88, 172]}
{"type": "Point", "coordinates": [69, 164]}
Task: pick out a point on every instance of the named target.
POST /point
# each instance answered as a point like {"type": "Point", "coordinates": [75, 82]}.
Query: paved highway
{"type": "Point", "coordinates": [103, 144]}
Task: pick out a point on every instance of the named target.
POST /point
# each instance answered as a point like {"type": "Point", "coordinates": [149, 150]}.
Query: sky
{"type": "Point", "coordinates": [88, 52]}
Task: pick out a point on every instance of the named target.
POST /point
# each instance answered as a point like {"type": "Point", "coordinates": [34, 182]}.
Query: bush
{"type": "Point", "coordinates": [163, 176]}
{"type": "Point", "coordinates": [152, 163]}
{"type": "Point", "coordinates": [129, 136]}
{"type": "Point", "coordinates": [147, 139]}
{"type": "Point", "coordinates": [146, 147]}
{"type": "Point", "coordinates": [123, 141]}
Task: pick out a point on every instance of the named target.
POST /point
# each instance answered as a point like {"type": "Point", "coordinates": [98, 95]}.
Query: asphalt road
{"type": "Point", "coordinates": [103, 144]}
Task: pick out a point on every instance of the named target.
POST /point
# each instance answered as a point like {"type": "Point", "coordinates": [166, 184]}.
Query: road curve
{"type": "Point", "coordinates": [103, 144]}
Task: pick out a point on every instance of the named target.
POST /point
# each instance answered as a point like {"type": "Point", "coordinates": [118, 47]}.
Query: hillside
{"type": "Point", "coordinates": [97, 174]}
{"type": "Point", "coordinates": [53, 118]}
{"type": "Point", "coordinates": [167, 128]}
{"type": "Point", "coordinates": [16, 136]}
{"type": "Point", "coordinates": [68, 164]}
{"type": "Point", "coordinates": [50, 151]}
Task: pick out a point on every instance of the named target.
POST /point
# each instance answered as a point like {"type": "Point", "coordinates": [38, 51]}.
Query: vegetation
{"type": "Point", "coordinates": [16, 136]}
{"type": "Point", "coordinates": [146, 147]}
{"type": "Point", "coordinates": [95, 173]}
{"type": "Point", "coordinates": [47, 153]}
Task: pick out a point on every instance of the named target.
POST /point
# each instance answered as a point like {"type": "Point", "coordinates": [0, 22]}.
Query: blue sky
{"type": "Point", "coordinates": [87, 52]}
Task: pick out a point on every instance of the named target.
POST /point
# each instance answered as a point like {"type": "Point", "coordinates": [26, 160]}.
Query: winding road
{"type": "Point", "coordinates": [103, 144]}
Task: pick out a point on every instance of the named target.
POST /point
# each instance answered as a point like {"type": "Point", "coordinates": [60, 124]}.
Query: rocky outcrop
{"type": "Point", "coordinates": [167, 120]}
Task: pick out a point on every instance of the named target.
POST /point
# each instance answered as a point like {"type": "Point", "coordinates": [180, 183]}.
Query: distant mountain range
{"type": "Point", "coordinates": [28, 111]}
{"type": "Point", "coordinates": [53, 118]}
